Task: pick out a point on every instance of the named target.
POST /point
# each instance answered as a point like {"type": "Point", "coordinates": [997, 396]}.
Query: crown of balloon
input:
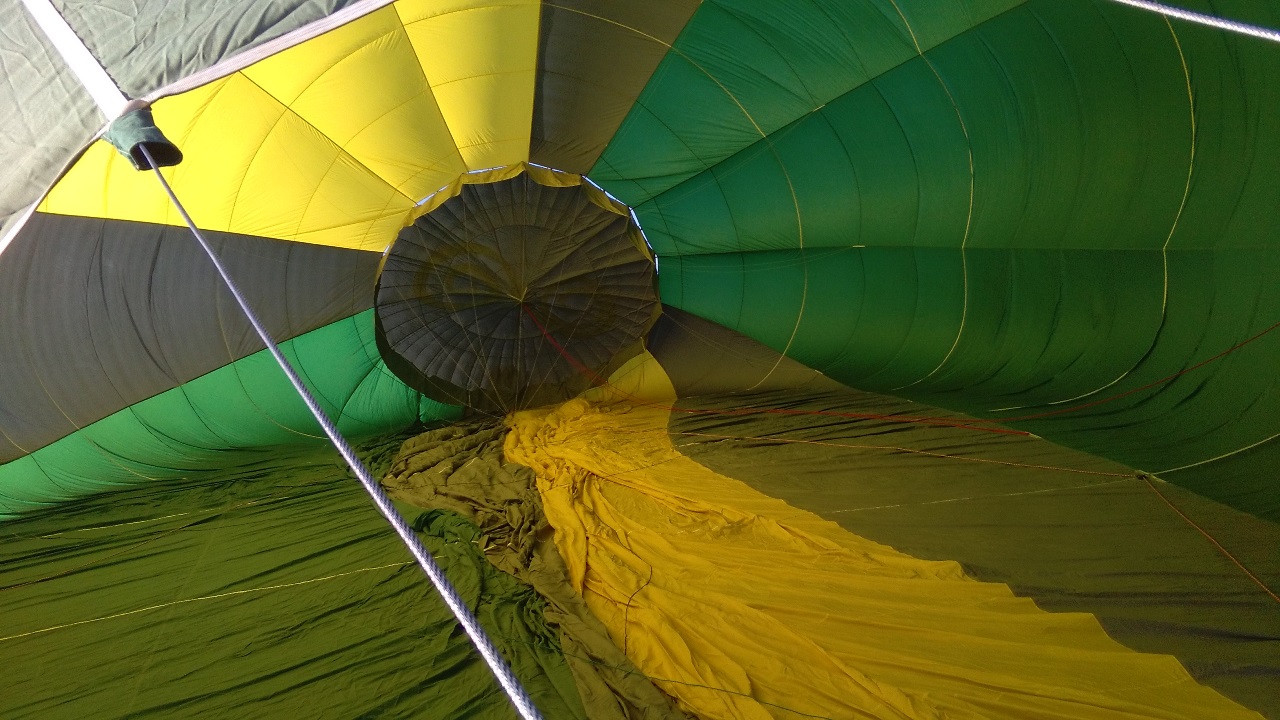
{"type": "Point", "coordinates": [513, 288]}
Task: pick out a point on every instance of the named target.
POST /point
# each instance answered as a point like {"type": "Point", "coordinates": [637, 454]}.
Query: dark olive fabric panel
{"type": "Point", "coordinates": [594, 58]}
{"type": "Point", "coordinates": [1078, 344]}
{"type": "Point", "coordinates": [513, 294]}
{"type": "Point", "coordinates": [102, 314]}
{"type": "Point", "coordinates": [270, 589]}
{"type": "Point", "coordinates": [703, 358]}
{"type": "Point", "coordinates": [1079, 122]}
{"type": "Point", "coordinates": [147, 44]}
{"type": "Point", "coordinates": [45, 116]}
{"type": "Point", "coordinates": [1073, 532]}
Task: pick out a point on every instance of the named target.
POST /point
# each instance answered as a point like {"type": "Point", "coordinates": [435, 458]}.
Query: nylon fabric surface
{"type": "Point", "coordinates": [1054, 217]}
{"type": "Point", "coordinates": [512, 294]}
{"type": "Point", "coordinates": [480, 58]}
{"type": "Point", "coordinates": [1071, 531]}
{"type": "Point", "coordinates": [717, 592]}
{"type": "Point", "coordinates": [107, 313]}
{"type": "Point", "coordinates": [301, 147]}
{"type": "Point", "coordinates": [1023, 220]}
{"type": "Point", "coordinates": [1002, 208]}
{"type": "Point", "coordinates": [460, 468]}
{"type": "Point", "coordinates": [1050, 327]}
{"type": "Point", "coordinates": [194, 428]}
{"type": "Point", "coordinates": [271, 588]}
{"type": "Point", "coordinates": [702, 358]}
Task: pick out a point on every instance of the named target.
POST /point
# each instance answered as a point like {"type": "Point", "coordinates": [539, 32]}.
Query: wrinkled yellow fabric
{"type": "Point", "coordinates": [741, 606]}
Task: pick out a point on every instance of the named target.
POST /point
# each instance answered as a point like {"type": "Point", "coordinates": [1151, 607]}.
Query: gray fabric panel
{"type": "Point", "coordinates": [45, 116]}
{"type": "Point", "coordinates": [101, 314]}
{"type": "Point", "coordinates": [147, 44]}
{"type": "Point", "coordinates": [512, 295]}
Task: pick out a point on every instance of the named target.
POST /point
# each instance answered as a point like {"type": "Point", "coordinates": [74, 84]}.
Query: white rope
{"type": "Point", "coordinates": [500, 669]}
{"type": "Point", "coordinates": [1202, 19]}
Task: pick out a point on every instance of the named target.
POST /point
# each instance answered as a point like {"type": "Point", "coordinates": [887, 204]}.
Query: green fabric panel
{"type": "Point", "coordinates": [1072, 531]}
{"type": "Point", "coordinates": [1051, 331]}
{"type": "Point", "coordinates": [461, 468]}
{"type": "Point", "coordinates": [888, 163]}
{"type": "Point", "coordinates": [594, 58]}
{"type": "Point", "coordinates": [742, 70]}
{"type": "Point", "coordinates": [1087, 264]}
{"type": "Point", "coordinates": [271, 588]}
{"type": "Point", "coordinates": [703, 358]}
{"type": "Point", "coordinates": [247, 404]}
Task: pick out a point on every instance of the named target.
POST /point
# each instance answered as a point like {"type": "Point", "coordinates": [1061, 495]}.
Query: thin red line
{"type": "Point", "coordinates": [1211, 539]}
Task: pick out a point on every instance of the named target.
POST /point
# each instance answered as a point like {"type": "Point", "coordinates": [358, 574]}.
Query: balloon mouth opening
{"type": "Point", "coordinates": [513, 288]}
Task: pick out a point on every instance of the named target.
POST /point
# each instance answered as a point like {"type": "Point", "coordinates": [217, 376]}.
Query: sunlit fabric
{"type": "Point", "coordinates": [739, 358]}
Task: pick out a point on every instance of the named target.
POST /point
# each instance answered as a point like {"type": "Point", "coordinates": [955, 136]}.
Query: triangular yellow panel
{"type": "Point", "coordinates": [252, 167]}
{"type": "Point", "coordinates": [362, 86]}
{"type": "Point", "coordinates": [480, 58]}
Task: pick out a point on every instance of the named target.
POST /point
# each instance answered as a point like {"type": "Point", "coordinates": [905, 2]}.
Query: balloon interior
{"type": "Point", "coordinates": [732, 359]}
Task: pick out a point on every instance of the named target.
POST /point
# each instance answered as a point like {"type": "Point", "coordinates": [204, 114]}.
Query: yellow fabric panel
{"type": "Point", "coordinates": [741, 606]}
{"type": "Point", "coordinates": [334, 140]}
{"type": "Point", "coordinates": [480, 57]}
{"type": "Point", "coordinates": [251, 166]}
{"type": "Point", "coordinates": [361, 86]}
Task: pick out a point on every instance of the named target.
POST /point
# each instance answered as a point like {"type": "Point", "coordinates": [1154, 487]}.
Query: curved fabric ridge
{"type": "Point", "coordinates": [1074, 533]}
{"type": "Point", "coordinates": [515, 293]}
{"type": "Point", "coordinates": [197, 427]}
{"type": "Point", "coordinates": [594, 59]}
{"type": "Point", "coordinates": [1008, 210]}
{"type": "Point", "coordinates": [1048, 327]}
{"type": "Point", "coordinates": [460, 468]}
{"type": "Point", "coordinates": [304, 146]}
{"type": "Point", "coordinates": [48, 115]}
{"type": "Point", "coordinates": [754, 67]}
{"type": "Point", "coordinates": [271, 588]}
{"type": "Point", "coordinates": [102, 314]}
{"type": "Point", "coordinates": [707, 584]}
{"type": "Point", "coordinates": [1035, 112]}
